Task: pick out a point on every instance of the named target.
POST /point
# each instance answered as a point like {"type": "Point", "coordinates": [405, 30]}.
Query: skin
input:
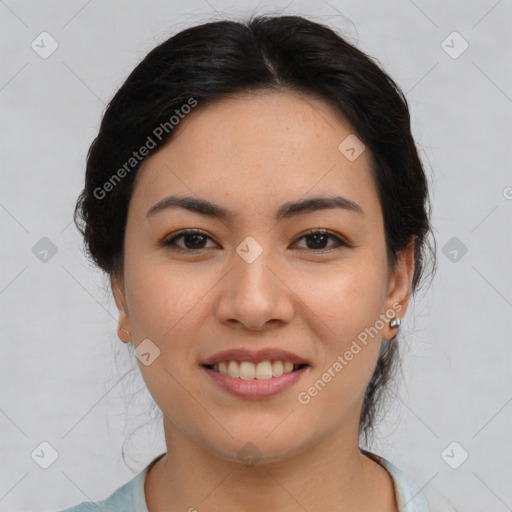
{"type": "Point", "coordinates": [251, 153]}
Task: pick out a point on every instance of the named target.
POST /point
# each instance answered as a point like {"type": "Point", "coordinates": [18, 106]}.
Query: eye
{"type": "Point", "coordinates": [193, 240]}
{"type": "Point", "coordinates": [319, 237]}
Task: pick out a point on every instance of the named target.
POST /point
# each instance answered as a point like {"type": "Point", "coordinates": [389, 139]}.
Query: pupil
{"type": "Point", "coordinates": [196, 243]}
{"type": "Point", "coordinates": [317, 237]}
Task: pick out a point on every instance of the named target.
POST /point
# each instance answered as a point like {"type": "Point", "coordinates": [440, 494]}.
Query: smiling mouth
{"type": "Point", "coordinates": [246, 370]}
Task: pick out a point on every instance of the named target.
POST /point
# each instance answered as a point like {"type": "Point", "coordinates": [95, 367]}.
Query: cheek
{"type": "Point", "coordinates": [164, 307]}
{"type": "Point", "coordinates": [346, 298]}
{"type": "Point", "coordinates": [168, 304]}
{"type": "Point", "coordinates": [163, 299]}
{"type": "Point", "coordinates": [347, 304]}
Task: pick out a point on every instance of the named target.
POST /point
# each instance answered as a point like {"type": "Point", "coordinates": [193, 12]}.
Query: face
{"type": "Point", "coordinates": [253, 280]}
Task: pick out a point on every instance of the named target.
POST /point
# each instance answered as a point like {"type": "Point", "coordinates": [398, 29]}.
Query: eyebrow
{"type": "Point", "coordinates": [286, 211]}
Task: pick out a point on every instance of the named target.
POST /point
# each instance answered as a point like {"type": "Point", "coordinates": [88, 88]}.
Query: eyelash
{"type": "Point", "coordinates": [171, 242]}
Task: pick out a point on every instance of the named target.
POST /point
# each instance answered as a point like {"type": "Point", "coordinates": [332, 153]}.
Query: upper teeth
{"type": "Point", "coordinates": [247, 370]}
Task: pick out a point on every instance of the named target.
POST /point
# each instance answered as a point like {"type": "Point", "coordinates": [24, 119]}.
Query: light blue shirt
{"type": "Point", "coordinates": [130, 497]}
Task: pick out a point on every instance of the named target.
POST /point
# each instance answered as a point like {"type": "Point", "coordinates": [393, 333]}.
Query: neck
{"type": "Point", "coordinates": [331, 473]}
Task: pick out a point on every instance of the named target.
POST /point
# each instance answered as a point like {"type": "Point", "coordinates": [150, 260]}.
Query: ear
{"type": "Point", "coordinates": [117, 287]}
{"type": "Point", "coordinates": [399, 287]}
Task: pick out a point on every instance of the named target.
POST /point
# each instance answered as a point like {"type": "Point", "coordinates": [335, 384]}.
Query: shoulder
{"type": "Point", "coordinates": [409, 496]}
{"type": "Point", "coordinates": [127, 498]}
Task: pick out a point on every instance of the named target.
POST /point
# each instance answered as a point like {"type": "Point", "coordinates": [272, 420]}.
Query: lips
{"type": "Point", "coordinates": [269, 354]}
{"type": "Point", "coordinates": [253, 374]}
{"type": "Point", "coordinates": [255, 388]}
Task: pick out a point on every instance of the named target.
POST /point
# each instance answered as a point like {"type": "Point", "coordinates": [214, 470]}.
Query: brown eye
{"type": "Point", "coordinates": [318, 239]}
{"type": "Point", "coordinates": [193, 240]}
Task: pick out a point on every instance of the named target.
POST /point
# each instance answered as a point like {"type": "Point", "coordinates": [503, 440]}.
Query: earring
{"type": "Point", "coordinates": [395, 322]}
{"type": "Point", "coordinates": [126, 331]}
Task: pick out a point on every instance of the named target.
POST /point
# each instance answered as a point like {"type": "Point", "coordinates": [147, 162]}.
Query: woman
{"type": "Point", "coordinates": [256, 197]}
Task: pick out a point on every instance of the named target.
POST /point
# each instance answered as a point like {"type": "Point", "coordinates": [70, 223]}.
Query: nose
{"type": "Point", "coordinates": [255, 295]}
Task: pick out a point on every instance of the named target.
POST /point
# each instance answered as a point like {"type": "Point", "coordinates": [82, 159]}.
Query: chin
{"type": "Point", "coordinates": [259, 449]}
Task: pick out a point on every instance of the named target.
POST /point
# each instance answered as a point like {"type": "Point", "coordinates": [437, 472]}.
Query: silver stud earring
{"type": "Point", "coordinates": [395, 322]}
{"type": "Point", "coordinates": [126, 331]}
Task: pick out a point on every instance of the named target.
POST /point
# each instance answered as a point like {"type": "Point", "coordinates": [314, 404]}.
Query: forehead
{"type": "Point", "coordinates": [256, 151]}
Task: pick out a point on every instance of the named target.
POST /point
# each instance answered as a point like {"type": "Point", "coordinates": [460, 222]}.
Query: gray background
{"type": "Point", "coordinates": [59, 378]}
